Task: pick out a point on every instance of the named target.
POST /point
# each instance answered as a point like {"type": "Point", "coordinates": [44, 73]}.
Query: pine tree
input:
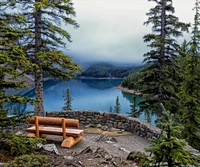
{"type": "Point", "coordinates": [110, 109]}
{"type": "Point", "coordinates": [167, 149]}
{"type": "Point", "coordinates": [117, 106]}
{"type": "Point", "coordinates": [45, 20]}
{"type": "Point", "coordinates": [12, 58]}
{"type": "Point", "coordinates": [158, 76]}
{"type": "Point", "coordinates": [134, 112]}
{"type": "Point", "coordinates": [189, 111]}
{"type": "Point", "coordinates": [68, 101]}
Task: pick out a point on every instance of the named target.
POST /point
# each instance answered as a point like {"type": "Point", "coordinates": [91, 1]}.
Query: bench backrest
{"type": "Point", "coordinates": [70, 123]}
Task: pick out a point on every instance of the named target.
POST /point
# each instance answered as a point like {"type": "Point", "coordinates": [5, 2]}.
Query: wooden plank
{"type": "Point", "coordinates": [56, 131]}
{"type": "Point", "coordinates": [37, 127]}
{"type": "Point", "coordinates": [63, 129]}
{"type": "Point", "coordinates": [53, 121]}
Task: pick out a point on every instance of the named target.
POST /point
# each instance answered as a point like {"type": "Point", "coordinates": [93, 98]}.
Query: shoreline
{"type": "Point", "coordinates": [126, 90]}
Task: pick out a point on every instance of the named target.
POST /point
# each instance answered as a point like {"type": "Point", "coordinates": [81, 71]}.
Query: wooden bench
{"type": "Point", "coordinates": [68, 128]}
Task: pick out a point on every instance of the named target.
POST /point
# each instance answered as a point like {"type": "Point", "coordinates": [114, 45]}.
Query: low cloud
{"type": "Point", "coordinates": [113, 30]}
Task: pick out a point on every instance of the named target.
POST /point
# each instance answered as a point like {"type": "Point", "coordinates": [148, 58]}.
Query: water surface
{"type": "Point", "coordinates": [87, 94]}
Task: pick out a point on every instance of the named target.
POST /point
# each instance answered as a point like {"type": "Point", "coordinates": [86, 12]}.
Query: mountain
{"type": "Point", "coordinates": [101, 70]}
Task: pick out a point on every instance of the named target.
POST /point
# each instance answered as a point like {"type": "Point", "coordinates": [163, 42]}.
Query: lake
{"type": "Point", "coordinates": [87, 94]}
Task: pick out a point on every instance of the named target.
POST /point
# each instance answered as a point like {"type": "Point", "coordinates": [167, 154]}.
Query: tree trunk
{"type": "Point", "coordinates": [39, 107]}
{"type": "Point", "coordinates": [162, 56]}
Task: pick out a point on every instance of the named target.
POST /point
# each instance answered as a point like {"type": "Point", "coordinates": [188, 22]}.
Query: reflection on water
{"type": "Point", "coordinates": [87, 94]}
{"type": "Point", "coordinates": [101, 84]}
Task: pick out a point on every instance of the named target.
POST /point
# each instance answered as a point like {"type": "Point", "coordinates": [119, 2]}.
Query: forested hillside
{"type": "Point", "coordinates": [101, 70]}
{"type": "Point", "coordinates": [131, 80]}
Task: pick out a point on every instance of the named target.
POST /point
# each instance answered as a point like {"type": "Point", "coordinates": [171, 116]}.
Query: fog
{"type": "Point", "coordinates": [113, 30]}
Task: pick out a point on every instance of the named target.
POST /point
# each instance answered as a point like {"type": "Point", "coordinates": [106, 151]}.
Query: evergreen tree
{"type": "Point", "coordinates": [117, 106]}
{"type": "Point", "coordinates": [45, 20]}
{"type": "Point", "coordinates": [167, 149]}
{"type": "Point", "coordinates": [189, 111]}
{"type": "Point", "coordinates": [68, 101]}
{"type": "Point", "coordinates": [134, 112]}
{"type": "Point", "coordinates": [158, 76]}
{"type": "Point", "coordinates": [12, 58]}
{"type": "Point", "coordinates": [110, 109]}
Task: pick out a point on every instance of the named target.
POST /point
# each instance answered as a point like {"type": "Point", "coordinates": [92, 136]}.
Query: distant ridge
{"type": "Point", "coordinates": [107, 70]}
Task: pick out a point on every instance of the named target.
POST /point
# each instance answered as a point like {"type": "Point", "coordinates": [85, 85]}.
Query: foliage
{"type": "Point", "coordinates": [12, 57]}
{"type": "Point", "coordinates": [18, 145]}
{"type": "Point", "coordinates": [134, 112]}
{"type": "Point", "coordinates": [131, 81]}
{"type": "Point", "coordinates": [45, 20]}
{"type": "Point", "coordinates": [110, 109]}
{"type": "Point", "coordinates": [68, 100]}
{"type": "Point", "coordinates": [117, 106]}
{"type": "Point", "coordinates": [32, 160]}
{"type": "Point", "coordinates": [158, 76]}
{"type": "Point", "coordinates": [167, 149]}
{"type": "Point", "coordinates": [189, 92]}
{"type": "Point", "coordinates": [11, 121]}
{"type": "Point", "coordinates": [101, 70]}
{"type": "Point", "coordinates": [137, 157]}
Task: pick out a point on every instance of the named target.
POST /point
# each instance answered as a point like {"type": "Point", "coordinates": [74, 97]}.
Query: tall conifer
{"type": "Point", "coordinates": [190, 87]}
{"type": "Point", "coordinates": [157, 77]}
{"type": "Point", "coordinates": [68, 100]}
{"type": "Point", "coordinates": [46, 19]}
{"type": "Point", "coordinates": [117, 106]}
{"type": "Point", "coordinates": [12, 58]}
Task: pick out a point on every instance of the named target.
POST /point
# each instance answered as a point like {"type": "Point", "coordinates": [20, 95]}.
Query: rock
{"type": "Point", "coordinates": [98, 126]}
{"type": "Point", "coordinates": [19, 133]}
{"type": "Point", "coordinates": [114, 163]}
{"type": "Point", "coordinates": [123, 149]}
{"type": "Point", "coordinates": [101, 152]}
{"type": "Point", "coordinates": [111, 129]}
{"type": "Point", "coordinates": [104, 128]}
{"type": "Point", "coordinates": [69, 158]}
{"type": "Point", "coordinates": [86, 150]}
{"type": "Point", "coordinates": [108, 157]}
{"type": "Point", "coordinates": [109, 142]}
{"type": "Point", "coordinates": [114, 140]}
{"type": "Point", "coordinates": [50, 148]}
{"type": "Point", "coordinates": [101, 137]}
{"type": "Point", "coordinates": [69, 163]}
{"type": "Point", "coordinates": [87, 126]}
{"type": "Point", "coordinates": [121, 131]}
{"type": "Point", "coordinates": [40, 145]}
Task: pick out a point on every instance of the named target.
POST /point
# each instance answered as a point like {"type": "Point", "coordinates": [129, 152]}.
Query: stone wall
{"type": "Point", "coordinates": [110, 120]}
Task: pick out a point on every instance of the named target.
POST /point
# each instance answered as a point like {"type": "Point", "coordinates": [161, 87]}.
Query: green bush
{"type": "Point", "coordinates": [18, 145]}
{"type": "Point", "coordinates": [32, 160]}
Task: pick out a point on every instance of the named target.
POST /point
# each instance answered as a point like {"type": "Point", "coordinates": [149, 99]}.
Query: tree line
{"type": "Point", "coordinates": [172, 76]}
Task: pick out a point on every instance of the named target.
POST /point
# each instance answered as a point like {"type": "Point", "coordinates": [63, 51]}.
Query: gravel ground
{"type": "Point", "coordinates": [98, 150]}
{"type": "Point", "coordinates": [121, 148]}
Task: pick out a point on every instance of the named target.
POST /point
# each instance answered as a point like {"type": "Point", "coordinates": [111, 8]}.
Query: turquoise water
{"type": "Point", "coordinates": [87, 94]}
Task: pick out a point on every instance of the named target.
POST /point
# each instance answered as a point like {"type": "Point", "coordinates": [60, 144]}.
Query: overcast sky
{"type": "Point", "coordinates": [113, 30]}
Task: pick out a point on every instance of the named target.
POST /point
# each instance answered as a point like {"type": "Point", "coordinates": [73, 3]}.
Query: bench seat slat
{"type": "Point", "coordinates": [56, 131]}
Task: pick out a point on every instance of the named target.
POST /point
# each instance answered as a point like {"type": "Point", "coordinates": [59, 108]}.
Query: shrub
{"type": "Point", "coordinates": [32, 160]}
{"type": "Point", "coordinates": [17, 144]}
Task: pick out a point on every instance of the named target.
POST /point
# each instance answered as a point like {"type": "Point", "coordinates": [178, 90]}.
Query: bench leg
{"type": "Point", "coordinates": [70, 141]}
{"type": "Point", "coordinates": [43, 136]}
{"type": "Point", "coordinates": [31, 135]}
